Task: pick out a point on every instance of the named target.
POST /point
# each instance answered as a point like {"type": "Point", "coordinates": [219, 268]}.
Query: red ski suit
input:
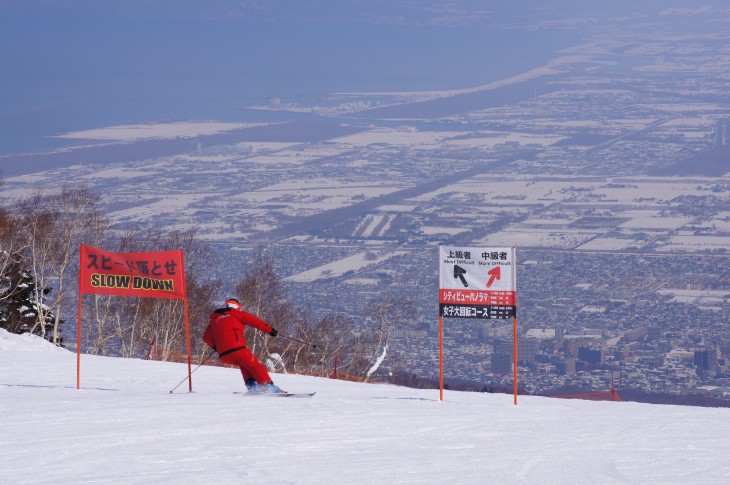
{"type": "Point", "coordinates": [225, 334]}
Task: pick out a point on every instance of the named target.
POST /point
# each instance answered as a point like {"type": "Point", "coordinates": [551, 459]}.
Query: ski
{"type": "Point", "coordinates": [277, 394]}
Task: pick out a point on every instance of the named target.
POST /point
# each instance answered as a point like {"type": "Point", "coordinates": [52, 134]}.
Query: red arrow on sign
{"type": "Point", "coordinates": [494, 274]}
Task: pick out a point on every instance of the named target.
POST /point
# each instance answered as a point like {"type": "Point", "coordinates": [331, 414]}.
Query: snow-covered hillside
{"type": "Point", "coordinates": [124, 426]}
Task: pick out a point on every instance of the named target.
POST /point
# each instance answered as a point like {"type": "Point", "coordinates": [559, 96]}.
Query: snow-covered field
{"type": "Point", "coordinates": [124, 426]}
{"type": "Point", "coordinates": [337, 268]}
{"type": "Point", "coordinates": [157, 130]}
{"type": "Point", "coordinates": [409, 136]}
{"type": "Point", "coordinates": [564, 238]}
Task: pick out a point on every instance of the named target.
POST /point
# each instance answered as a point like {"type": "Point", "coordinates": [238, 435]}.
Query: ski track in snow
{"type": "Point", "coordinates": [348, 433]}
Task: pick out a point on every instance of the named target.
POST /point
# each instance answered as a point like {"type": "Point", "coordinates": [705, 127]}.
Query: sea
{"type": "Point", "coordinates": [66, 74]}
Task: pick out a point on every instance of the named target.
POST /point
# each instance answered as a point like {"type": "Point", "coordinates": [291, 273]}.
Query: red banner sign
{"type": "Point", "coordinates": [477, 297]}
{"type": "Point", "coordinates": [149, 275]}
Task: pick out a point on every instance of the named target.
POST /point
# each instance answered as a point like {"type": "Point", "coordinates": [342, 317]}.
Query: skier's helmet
{"type": "Point", "coordinates": [233, 303]}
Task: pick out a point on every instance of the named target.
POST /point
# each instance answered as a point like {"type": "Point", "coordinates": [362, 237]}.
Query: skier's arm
{"type": "Point", "coordinates": [255, 322]}
{"type": "Point", "coordinates": [209, 338]}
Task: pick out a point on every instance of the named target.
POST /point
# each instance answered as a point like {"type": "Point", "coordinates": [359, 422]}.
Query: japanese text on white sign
{"type": "Point", "coordinates": [477, 282]}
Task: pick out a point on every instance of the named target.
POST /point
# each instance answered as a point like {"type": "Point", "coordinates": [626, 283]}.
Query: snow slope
{"type": "Point", "coordinates": [347, 434]}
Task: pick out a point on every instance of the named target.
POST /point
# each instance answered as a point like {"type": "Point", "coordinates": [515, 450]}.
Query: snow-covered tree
{"type": "Point", "coordinates": [19, 299]}
{"type": "Point", "coordinates": [11, 249]}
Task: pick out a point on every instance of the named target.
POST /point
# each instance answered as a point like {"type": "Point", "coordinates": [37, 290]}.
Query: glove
{"type": "Point", "coordinates": [273, 332]}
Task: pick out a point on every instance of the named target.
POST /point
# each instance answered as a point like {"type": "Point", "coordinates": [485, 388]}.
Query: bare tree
{"type": "Point", "coordinates": [111, 313]}
{"type": "Point", "coordinates": [261, 289]}
{"type": "Point", "coordinates": [162, 320]}
{"type": "Point", "coordinates": [262, 293]}
{"type": "Point", "coordinates": [79, 219]}
{"type": "Point", "coordinates": [336, 340]}
{"type": "Point", "coordinates": [54, 225]}
{"type": "Point", "coordinates": [385, 316]}
{"type": "Point", "coordinates": [98, 323]}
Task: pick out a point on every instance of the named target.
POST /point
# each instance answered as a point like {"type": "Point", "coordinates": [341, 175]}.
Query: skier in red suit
{"type": "Point", "coordinates": [225, 334]}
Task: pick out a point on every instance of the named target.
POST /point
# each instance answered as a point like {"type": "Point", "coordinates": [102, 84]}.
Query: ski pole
{"type": "Point", "coordinates": [186, 377]}
{"type": "Point", "coordinates": [297, 340]}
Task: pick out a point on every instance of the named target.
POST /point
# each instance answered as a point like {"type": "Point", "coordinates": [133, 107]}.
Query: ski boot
{"type": "Point", "coordinates": [270, 388]}
{"type": "Point", "coordinates": [252, 385]}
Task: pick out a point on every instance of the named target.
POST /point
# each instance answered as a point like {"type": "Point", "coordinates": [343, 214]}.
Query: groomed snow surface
{"type": "Point", "coordinates": [124, 426]}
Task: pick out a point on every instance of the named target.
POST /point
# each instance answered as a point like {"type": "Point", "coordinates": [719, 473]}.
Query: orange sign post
{"type": "Point", "coordinates": [159, 274]}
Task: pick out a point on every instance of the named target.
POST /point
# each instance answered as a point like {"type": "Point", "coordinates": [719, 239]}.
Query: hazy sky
{"type": "Point", "coordinates": [174, 43]}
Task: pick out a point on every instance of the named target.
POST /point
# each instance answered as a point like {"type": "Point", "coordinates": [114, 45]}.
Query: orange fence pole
{"type": "Point", "coordinates": [514, 321]}
{"type": "Point", "coordinates": [514, 332]}
{"type": "Point", "coordinates": [187, 324]}
{"type": "Point", "coordinates": [187, 332]}
{"type": "Point", "coordinates": [78, 341]}
{"type": "Point", "coordinates": [441, 358]}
